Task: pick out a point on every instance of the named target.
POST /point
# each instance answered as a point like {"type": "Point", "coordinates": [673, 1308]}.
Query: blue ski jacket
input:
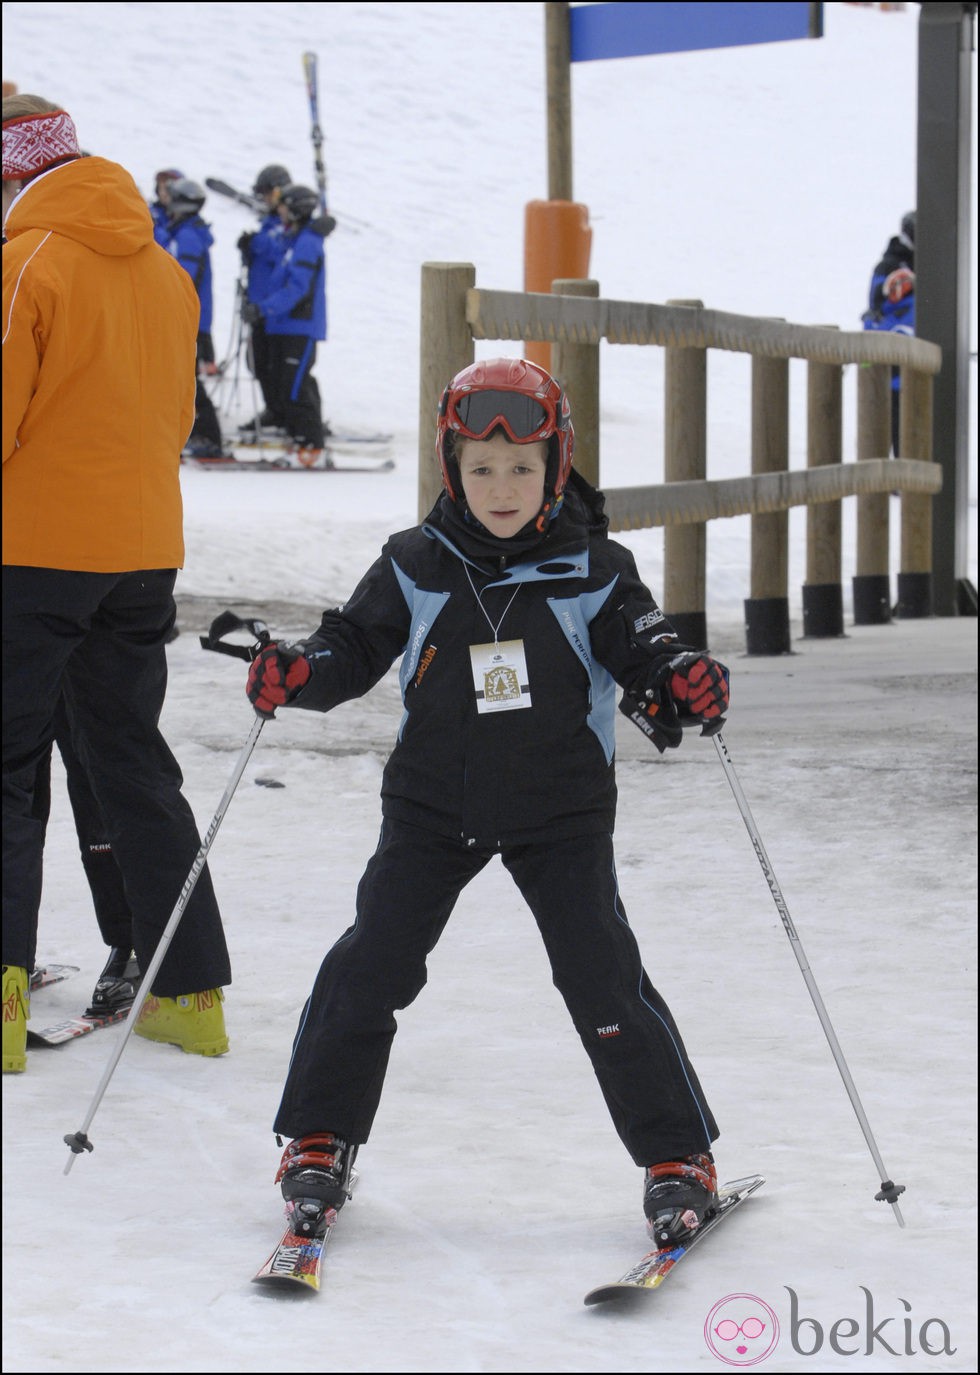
{"type": "Point", "coordinates": [161, 229]}
{"type": "Point", "coordinates": [296, 302]}
{"type": "Point", "coordinates": [883, 314]}
{"type": "Point", "coordinates": [266, 247]}
{"type": "Point", "coordinates": [190, 242]}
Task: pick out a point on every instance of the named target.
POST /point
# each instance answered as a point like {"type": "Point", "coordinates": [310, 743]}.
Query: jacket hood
{"type": "Point", "coordinates": [91, 201]}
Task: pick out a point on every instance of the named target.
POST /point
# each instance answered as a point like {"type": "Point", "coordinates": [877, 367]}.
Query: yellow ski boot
{"type": "Point", "coordinates": [16, 1010]}
{"type": "Point", "coordinates": [195, 1022]}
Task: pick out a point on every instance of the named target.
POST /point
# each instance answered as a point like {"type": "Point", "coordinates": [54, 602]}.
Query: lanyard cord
{"type": "Point", "coordinates": [494, 628]}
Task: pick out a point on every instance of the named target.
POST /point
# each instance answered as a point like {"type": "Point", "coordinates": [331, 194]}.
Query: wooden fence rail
{"type": "Point", "coordinates": [574, 319]}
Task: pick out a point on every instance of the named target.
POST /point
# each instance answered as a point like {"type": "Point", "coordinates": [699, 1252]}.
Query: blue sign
{"type": "Point", "coordinates": [632, 29]}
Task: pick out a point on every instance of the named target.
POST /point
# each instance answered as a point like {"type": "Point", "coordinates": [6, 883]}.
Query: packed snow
{"type": "Point", "coordinates": [762, 180]}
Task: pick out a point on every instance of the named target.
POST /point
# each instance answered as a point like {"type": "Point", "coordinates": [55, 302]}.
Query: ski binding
{"type": "Point", "coordinates": [650, 1272]}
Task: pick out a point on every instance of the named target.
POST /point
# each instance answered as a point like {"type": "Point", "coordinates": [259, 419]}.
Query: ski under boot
{"type": "Point", "coordinates": [677, 1196]}
{"type": "Point", "coordinates": [117, 985]}
{"type": "Point", "coordinates": [315, 1177]}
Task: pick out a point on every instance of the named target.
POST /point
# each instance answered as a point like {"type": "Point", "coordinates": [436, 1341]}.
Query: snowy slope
{"type": "Point", "coordinates": [763, 180]}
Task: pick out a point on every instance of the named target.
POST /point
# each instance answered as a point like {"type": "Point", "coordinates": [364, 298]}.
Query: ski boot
{"type": "Point", "coordinates": [306, 456]}
{"type": "Point", "coordinates": [315, 1176]}
{"type": "Point", "coordinates": [265, 420]}
{"type": "Point", "coordinates": [117, 985]}
{"type": "Point", "coordinates": [16, 1010]}
{"type": "Point", "coordinates": [677, 1196]}
{"type": "Point", "coordinates": [194, 1022]}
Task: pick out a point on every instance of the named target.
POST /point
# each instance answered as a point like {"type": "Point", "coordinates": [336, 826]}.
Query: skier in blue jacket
{"type": "Point", "coordinates": [261, 250]}
{"type": "Point", "coordinates": [158, 206]}
{"type": "Point", "coordinates": [516, 618]}
{"type": "Point", "coordinates": [293, 312]}
{"type": "Point", "coordinates": [891, 299]}
{"type": "Point", "coordinates": [190, 240]}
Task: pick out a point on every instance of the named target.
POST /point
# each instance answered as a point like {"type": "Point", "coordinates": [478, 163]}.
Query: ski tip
{"type": "Point", "coordinates": [287, 1287]}
{"type": "Point", "coordinates": [623, 1293]}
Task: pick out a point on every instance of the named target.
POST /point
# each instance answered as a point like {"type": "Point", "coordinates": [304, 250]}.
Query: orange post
{"type": "Point", "coordinates": [557, 244]}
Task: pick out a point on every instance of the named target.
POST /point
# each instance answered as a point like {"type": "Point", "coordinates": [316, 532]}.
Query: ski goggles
{"type": "Point", "coordinates": [523, 418]}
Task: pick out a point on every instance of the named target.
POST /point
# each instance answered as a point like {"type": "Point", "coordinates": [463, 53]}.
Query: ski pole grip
{"type": "Point", "coordinates": [227, 622]}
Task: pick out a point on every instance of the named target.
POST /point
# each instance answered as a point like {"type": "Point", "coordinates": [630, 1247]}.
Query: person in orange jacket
{"type": "Point", "coordinates": [100, 333]}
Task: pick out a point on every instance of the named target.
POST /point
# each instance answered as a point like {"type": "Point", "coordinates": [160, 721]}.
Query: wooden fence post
{"type": "Point", "coordinates": [915, 441]}
{"type": "Point", "coordinates": [871, 586]}
{"type": "Point", "coordinates": [823, 601]}
{"type": "Point", "coordinates": [685, 460]}
{"type": "Point", "coordinates": [767, 607]}
{"type": "Point", "coordinates": [446, 347]}
{"type": "Point", "coordinates": [577, 368]}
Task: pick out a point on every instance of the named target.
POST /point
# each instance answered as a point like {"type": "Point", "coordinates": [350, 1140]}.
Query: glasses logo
{"type": "Point", "coordinates": [741, 1330]}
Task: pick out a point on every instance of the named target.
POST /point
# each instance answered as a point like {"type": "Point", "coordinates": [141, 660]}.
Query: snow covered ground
{"type": "Point", "coordinates": [494, 1193]}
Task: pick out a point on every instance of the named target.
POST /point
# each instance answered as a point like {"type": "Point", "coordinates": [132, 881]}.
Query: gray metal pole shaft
{"type": "Point", "coordinates": [889, 1191]}
{"type": "Point", "coordinates": [79, 1141]}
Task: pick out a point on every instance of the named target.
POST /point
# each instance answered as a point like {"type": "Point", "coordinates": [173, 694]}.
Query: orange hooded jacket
{"type": "Point", "coordinates": [99, 348]}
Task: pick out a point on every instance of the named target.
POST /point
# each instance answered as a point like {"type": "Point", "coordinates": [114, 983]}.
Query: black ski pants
{"type": "Point", "coordinates": [100, 638]}
{"type": "Point", "coordinates": [104, 878]}
{"type": "Point", "coordinates": [407, 893]}
{"type": "Point", "coordinates": [261, 365]}
{"type": "Point", "coordinates": [294, 389]}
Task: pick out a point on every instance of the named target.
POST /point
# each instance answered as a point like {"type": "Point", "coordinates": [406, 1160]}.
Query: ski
{"type": "Point", "coordinates": [73, 1027]}
{"type": "Point", "coordinates": [242, 197]}
{"type": "Point", "coordinates": [224, 188]}
{"type": "Point", "coordinates": [233, 464]}
{"type": "Point", "coordinates": [653, 1269]}
{"type": "Point", "coordinates": [316, 133]}
{"type": "Point", "coordinates": [275, 439]}
{"type": "Point", "coordinates": [297, 1262]}
{"type": "Point", "coordinates": [51, 974]}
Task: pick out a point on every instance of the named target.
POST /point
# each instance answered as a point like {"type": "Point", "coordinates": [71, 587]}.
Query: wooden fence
{"type": "Point", "coordinates": [454, 313]}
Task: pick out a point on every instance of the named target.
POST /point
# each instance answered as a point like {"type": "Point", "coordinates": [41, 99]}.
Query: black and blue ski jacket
{"type": "Point", "coordinates": [585, 623]}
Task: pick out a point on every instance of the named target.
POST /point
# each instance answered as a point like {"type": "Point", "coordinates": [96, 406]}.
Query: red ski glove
{"type": "Point", "coordinates": [699, 685]}
{"type": "Point", "coordinates": [276, 675]}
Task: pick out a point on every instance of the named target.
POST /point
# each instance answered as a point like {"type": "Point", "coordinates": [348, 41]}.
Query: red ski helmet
{"type": "Point", "coordinates": [518, 397]}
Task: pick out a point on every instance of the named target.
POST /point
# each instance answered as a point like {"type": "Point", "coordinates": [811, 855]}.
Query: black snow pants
{"type": "Point", "coordinates": [295, 395]}
{"type": "Point", "coordinates": [100, 638]}
{"type": "Point", "coordinates": [104, 878]}
{"type": "Point", "coordinates": [407, 893]}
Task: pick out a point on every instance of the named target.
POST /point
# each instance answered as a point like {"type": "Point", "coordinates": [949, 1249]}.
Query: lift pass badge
{"type": "Point", "coordinates": [500, 676]}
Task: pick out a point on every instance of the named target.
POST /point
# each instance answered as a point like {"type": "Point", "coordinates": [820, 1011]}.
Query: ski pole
{"type": "Point", "coordinates": [889, 1192]}
{"type": "Point", "coordinates": [228, 621]}
{"type": "Point", "coordinates": [316, 133]}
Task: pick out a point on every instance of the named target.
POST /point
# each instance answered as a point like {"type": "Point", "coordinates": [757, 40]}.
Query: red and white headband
{"type": "Point", "coordinates": [33, 143]}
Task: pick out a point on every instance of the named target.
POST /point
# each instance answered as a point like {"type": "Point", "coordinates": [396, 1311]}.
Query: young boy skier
{"type": "Point", "coordinates": [516, 617]}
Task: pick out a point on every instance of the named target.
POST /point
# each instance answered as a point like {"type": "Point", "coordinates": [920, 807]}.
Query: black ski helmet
{"type": "Point", "coordinates": [301, 202]}
{"type": "Point", "coordinates": [270, 178]}
{"type": "Point", "coordinates": [185, 198]}
{"type": "Point", "coordinates": [908, 226]}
